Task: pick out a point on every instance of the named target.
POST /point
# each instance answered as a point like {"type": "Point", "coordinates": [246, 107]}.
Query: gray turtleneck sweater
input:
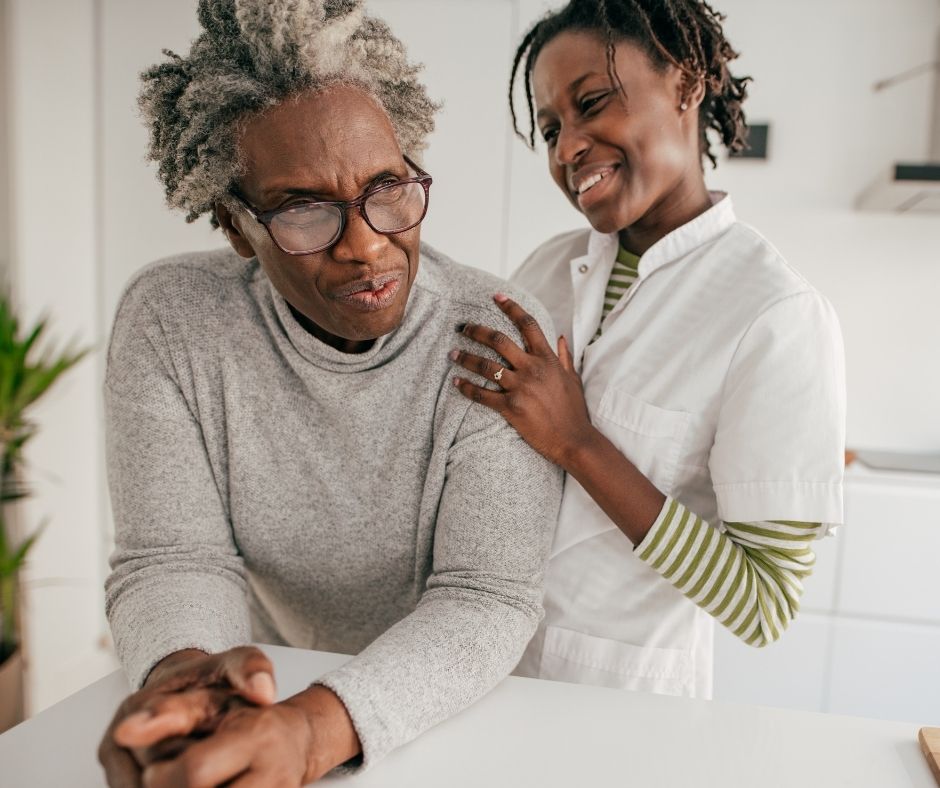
{"type": "Point", "coordinates": [267, 487]}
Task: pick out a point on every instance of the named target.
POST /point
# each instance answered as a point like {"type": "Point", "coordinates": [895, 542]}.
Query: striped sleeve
{"type": "Point", "coordinates": [749, 577]}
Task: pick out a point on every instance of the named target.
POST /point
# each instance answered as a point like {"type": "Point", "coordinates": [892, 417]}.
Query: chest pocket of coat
{"type": "Point", "coordinates": [649, 436]}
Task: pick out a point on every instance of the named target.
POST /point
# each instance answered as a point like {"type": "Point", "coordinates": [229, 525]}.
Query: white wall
{"type": "Point", "coordinates": [4, 149]}
{"type": "Point", "coordinates": [814, 65]}
{"type": "Point", "coordinates": [55, 250]}
{"type": "Point", "coordinates": [75, 137]}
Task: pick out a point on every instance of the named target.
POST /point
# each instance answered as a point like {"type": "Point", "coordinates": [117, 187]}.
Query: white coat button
{"type": "Point", "coordinates": [583, 268]}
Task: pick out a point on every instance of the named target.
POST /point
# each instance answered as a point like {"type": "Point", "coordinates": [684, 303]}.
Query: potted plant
{"type": "Point", "coordinates": [26, 374]}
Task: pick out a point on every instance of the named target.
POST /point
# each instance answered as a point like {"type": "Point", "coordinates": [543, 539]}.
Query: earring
{"type": "Point", "coordinates": [683, 106]}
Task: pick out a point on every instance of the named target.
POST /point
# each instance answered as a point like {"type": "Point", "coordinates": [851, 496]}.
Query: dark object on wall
{"type": "Point", "coordinates": [757, 134]}
{"type": "Point", "coordinates": [917, 172]}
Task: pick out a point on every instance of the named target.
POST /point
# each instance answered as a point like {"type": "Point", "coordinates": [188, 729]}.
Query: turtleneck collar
{"type": "Point", "coordinates": [329, 358]}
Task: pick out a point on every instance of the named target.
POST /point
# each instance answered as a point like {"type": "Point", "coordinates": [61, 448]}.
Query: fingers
{"type": "Point", "coordinates": [564, 355]}
{"type": "Point", "coordinates": [206, 764]}
{"type": "Point", "coordinates": [496, 340]}
{"type": "Point", "coordinates": [165, 749]}
{"type": "Point", "coordinates": [120, 768]}
{"type": "Point", "coordinates": [528, 326]}
{"type": "Point", "coordinates": [484, 367]}
{"type": "Point", "coordinates": [173, 714]}
{"type": "Point", "coordinates": [491, 399]}
{"type": "Point", "coordinates": [184, 703]}
{"type": "Point", "coordinates": [250, 672]}
{"type": "Point", "coordinates": [245, 668]}
{"type": "Point", "coordinates": [258, 746]}
{"type": "Point", "coordinates": [250, 780]}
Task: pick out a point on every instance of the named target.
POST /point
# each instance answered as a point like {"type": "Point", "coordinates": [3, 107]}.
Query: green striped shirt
{"type": "Point", "coordinates": [747, 575]}
{"type": "Point", "coordinates": [622, 277]}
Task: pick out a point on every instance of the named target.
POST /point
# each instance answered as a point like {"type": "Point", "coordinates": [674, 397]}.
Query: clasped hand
{"type": "Point", "coordinates": [207, 720]}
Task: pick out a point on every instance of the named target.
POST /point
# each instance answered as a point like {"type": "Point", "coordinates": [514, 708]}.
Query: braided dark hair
{"type": "Point", "coordinates": [684, 33]}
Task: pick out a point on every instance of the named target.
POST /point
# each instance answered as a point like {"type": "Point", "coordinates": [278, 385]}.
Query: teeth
{"type": "Point", "coordinates": [591, 182]}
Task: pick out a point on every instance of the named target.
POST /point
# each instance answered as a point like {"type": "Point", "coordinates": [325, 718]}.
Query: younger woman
{"type": "Point", "coordinates": [696, 398]}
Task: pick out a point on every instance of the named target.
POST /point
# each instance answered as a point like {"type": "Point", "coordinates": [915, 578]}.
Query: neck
{"type": "Point", "coordinates": [341, 344]}
{"type": "Point", "coordinates": [680, 206]}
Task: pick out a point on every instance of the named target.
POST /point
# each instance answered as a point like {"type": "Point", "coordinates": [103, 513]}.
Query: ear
{"type": "Point", "coordinates": [231, 226]}
{"type": "Point", "coordinates": [691, 91]}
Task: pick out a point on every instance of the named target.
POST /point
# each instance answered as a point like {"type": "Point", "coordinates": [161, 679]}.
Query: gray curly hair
{"type": "Point", "coordinates": [252, 55]}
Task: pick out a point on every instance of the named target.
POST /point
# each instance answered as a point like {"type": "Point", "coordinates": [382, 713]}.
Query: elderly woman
{"type": "Point", "coordinates": [288, 459]}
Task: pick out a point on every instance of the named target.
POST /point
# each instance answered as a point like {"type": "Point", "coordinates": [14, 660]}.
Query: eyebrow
{"type": "Point", "coordinates": [299, 191]}
{"type": "Point", "coordinates": [571, 88]}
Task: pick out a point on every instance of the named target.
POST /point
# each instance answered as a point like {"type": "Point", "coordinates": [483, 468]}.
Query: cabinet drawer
{"type": "Point", "coordinates": [886, 670]}
{"type": "Point", "coordinates": [890, 545]}
{"type": "Point", "coordinates": [789, 673]}
{"type": "Point", "coordinates": [819, 589]}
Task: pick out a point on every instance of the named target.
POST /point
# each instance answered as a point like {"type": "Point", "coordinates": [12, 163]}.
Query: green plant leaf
{"type": "Point", "coordinates": [26, 374]}
{"type": "Point", "coordinates": [19, 556]}
{"type": "Point", "coordinates": [12, 493]}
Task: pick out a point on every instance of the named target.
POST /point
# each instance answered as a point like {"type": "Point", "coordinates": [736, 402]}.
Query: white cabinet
{"type": "Point", "coordinates": [867, 641]}
{"type": "Point", "coordinates": [821, 587]}
{"type": "Point", "coordinates": [891, 548]}
{"type": "Point", "coordinates": [886, 669]}
{"type": "Point", "coordinates": [790, 673]}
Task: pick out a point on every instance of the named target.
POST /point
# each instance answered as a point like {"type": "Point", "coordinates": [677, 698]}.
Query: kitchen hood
{"type": "Point", "coordinates": [910, 186]}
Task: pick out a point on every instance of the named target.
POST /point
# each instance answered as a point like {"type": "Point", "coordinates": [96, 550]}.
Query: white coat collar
{"type": "Point", "coordinates": [703, 228]}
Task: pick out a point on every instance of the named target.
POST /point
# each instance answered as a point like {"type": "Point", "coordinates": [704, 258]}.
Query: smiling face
{"type": "Point", "coordinates": [328, 145]}
{"type": "Point", "coordinates": [629, 161]}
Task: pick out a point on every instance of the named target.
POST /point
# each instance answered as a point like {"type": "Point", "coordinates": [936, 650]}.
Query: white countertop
{"type": "Point", "coordinates": [539, 733]}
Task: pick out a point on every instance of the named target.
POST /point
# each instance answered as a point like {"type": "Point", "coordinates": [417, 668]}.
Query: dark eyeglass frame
{"type": "Point", "coordinates": [266, 217]}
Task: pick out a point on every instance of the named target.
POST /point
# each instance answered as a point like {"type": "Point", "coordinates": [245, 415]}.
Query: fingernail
{"type": "Point", "coordinates": [453, 355]}
{"type": "Point", "coordinates": [262, 684]}
{"type": "Point", "coordinates": [456, 381]}
{"type": "Point", "coordinates": [461, 327]}
{"type": "Point", "coordinates": [499, 298]}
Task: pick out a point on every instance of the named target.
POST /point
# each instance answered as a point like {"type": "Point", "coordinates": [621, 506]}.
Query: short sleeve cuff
{"type": "Point", "coordinates": [808, 502]}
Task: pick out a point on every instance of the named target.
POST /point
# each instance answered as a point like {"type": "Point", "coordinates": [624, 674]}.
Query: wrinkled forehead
{"type": "Point", "coordinates": [327, 139]}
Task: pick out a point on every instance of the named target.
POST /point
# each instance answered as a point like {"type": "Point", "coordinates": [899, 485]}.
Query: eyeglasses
{"type": "Point", "coordinates": [311, 227]}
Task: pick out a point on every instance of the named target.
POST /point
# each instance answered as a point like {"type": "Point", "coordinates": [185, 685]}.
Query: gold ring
{"type": "Point", "coordinates": [499, 375]}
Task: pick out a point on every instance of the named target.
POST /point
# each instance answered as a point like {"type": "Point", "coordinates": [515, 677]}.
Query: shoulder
{"type": "Point", "coordinates": [741, 277]}
{"type": "Point", "coordinates": [187, 285]}
{"type": "Point", "coordinates": [747, 256]}
{"type": "Point", "coordinates": [466, 293]}
{"type": "Point", "coordinates": [778, 306]}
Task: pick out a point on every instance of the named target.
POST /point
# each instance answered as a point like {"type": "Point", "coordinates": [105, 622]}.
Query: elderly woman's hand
{"type": "Point", "coordinates": [287, 744]}
{"type": "Point", "coordinates": [185, 698]}
{"type": "Point", "coordinates": [541, 395]}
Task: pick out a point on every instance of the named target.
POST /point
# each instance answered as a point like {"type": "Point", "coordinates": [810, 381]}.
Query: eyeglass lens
{"type": "Point", "coordinates": [395, 208]}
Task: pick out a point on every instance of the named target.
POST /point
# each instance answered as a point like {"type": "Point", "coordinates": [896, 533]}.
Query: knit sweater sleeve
{"type": "Point", "coordinates": [177, 579]}
{"type": "Point", "coordinates": [482, 601]}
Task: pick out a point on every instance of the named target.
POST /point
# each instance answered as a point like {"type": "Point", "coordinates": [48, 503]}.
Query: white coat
{"type": "Point", "coordinates": [720, 376]}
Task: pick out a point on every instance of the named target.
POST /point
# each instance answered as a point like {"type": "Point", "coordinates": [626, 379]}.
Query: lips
{"type": "Point", "coordinates": [369, 295]}
{"type": "Point", "coordinates": [591, 185]}
{"type": "Point", "coordinates": [586, 178]}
